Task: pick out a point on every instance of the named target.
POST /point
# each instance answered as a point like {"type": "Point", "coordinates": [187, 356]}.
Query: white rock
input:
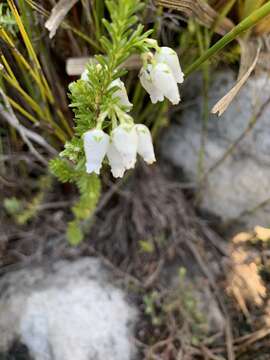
{"type": "Point", "coordinates": [242, 181]}
{"type": "Point", "coordinates": [70, 311]}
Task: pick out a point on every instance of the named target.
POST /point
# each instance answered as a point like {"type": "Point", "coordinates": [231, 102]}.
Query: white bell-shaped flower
{"type": "Point", "coordinates": [116, 161]}
{"type": "Point", "coordinates": [164, 80]}
{"type": "Point", "coordinates": [125, 139]}
{"type": "Point", "coordinates": [147, 83]}
{"type": "Point", "coordinates": [121, 93]}
{"type": "Point", "coordinates": [169, 56]}
{"type": "Point", "coordinates": [96, 143]}
{"type": "Point", "coordinates": [84, 75]}
{"type": "Point", "coordinates": [145, 144]}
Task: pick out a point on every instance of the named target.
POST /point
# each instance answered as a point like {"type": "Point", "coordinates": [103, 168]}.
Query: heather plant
{"type": "Point", "coordinates": [111, 129]}
{"type": "Point", "coordinates": [105, 132]}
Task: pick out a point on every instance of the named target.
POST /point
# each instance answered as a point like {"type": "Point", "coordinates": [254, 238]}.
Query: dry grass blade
{"type": "Point", "coordinates": [32, 65]}
{"type": "Point", "coordinates": [27, 135]}
{"type": "Point", "coordinates": [249, 53]}
{"type": "Point", "coordinates": [247, 66]}
{"type": "Point", "coordinates": [252, 338]}
{"type": "Point", "coordinates": [58, 13]}
{"type": "Point", "coordinates": [9, 43]}
{"type": "Point", "coordinates": [263, 27]}
{"type": "Point", "coordinates": [30, 49]}
{"type": "Point", "coordinates": [37, 7]}
{"type": "Point", "coordinates": [203, 12]}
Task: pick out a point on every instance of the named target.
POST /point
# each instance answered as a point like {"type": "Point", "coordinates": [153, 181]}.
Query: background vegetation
{"type": "Point", "coordinates": [37, 122]}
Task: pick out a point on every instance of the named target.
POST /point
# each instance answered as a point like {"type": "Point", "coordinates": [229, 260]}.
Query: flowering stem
{"type": "Point", "coordinates": [244, 25]}
{"type": "Point", "coordinates": [124, 118]}
{"type": "Point", "coordinates": [100, 120]}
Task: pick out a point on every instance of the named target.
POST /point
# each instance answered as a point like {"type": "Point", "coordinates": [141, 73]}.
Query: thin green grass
{"type": "Point", "coordinates": [243, 26]}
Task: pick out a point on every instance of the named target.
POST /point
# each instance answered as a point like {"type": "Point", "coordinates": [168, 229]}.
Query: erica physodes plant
{"type": "Point", "coordinates": [105, 131]}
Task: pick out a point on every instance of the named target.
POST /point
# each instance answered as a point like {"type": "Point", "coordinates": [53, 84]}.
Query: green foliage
{"type": "Point", "coordinates": [90, 188]}
{"type": "Point", "coordinates": [151, 309]}
{"type": "Point", "coordinates": [7, 20]}
{"type": "Point", "coordinates": [74, 233]}
{"type": "Point", "coordinates": [147, 246]}
{"type": "Point", "coordinates": [189, 304]}
{"type": "Point", "coordinates": [248, 23]}
{"type": "Point", "coordinates": [178, 305]}
{"type": "Point", "coordinates": [30, 210]}
{"type": "Point", "coordinates": [22, 78]}
{"type": "Point", "coordinates": [22, 211]}
{"type": "Point", "coordinates": [62, 170]}
{"type": "Point", "coordinates": [12, 206]}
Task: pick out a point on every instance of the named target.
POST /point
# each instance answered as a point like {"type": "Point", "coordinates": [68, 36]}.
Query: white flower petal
{"type": "Point", "coordinates": [84, 75]}
{"type": "Point", "coordinates": [115, 161]}
{"type": "Point", "coordinates": [147, 83]}
{"type": "Point", "coordinates": [121, 93]}
{"type": "Point", "coordinates": [145, 144]}
{"type": "Point", "coordinates": [169, 56]}
{"type": "Point", "coordinates": [125, 140]}
{"type": "Point", "coordinates": [163, 79]}
{"type": "Point", "coordinates": [96, 144]}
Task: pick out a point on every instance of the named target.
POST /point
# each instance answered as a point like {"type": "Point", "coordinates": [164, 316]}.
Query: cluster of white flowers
{"type": "Point", "coordinates": [121, 148]}
{"type": "Point", "coordinates": [159, 76]}
{"type": "Point", "coordinates": [126, 140]}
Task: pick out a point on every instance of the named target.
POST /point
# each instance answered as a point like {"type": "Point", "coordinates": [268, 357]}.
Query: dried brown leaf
{"type": "Point", "coordinates": [262, 233]}
{"type": "Point", "coordinates": [200, 10]}
{"type": "Point", "coordinates": [244, 281]}
{"type": "Point", "coordinates": [248, 64]}
{"type": "Point", "coordinates": [263, 27]}
{"type": "Point", "coordinates": [242, 237]}
{"type": "Point", "coordinates": [58, 13]}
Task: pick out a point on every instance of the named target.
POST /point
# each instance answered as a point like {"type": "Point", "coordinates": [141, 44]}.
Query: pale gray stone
{"type": "Point", "coordinates": [70, 311]}
{"type": "Point", "coordinates": [242, 181]}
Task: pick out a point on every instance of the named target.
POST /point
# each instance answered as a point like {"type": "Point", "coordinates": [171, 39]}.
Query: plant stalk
{"type": "Point", "coordinates": [244, 25]}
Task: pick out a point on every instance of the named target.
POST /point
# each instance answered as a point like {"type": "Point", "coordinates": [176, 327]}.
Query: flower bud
{"type": "Point", "coordinates": [121, 93]}
{"type": "Point", "coordinates": [84, 75]}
